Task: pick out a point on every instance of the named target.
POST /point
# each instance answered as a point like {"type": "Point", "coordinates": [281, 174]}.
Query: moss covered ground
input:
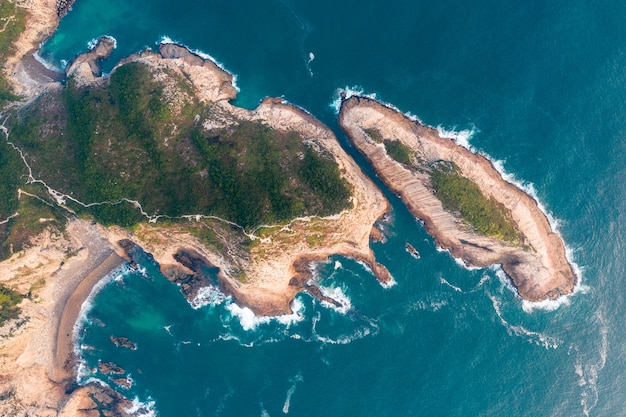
{"type": "Point", "coordinates": [461, 195]}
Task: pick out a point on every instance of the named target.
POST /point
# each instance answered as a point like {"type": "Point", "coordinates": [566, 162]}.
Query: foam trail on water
{"type": "Point", "coordinates": [308, 63]}
{"type": "Point", "coordinates": [548, 342]}
{"type": "Point", "coordinates": [292, 390]}
{"type": "Point", "coordinates": [460, 262]}
{"type": "Point", "coordinates": [264, 412]}
{"type": "Point", "coordinates": [454, 287]}
{"type": "Point", "coordinates": [82, 369]}
{"type": "Point", "coordinates": [588, 372]}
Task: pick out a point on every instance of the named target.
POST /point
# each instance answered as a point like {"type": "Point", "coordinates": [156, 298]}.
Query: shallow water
{"type": "Point", "coordinates": [541, 88]}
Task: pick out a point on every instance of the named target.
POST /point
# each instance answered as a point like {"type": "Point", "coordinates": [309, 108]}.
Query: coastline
{"type": "Point", "coordinates": [27, 76]}
{"type": "Point", "coordinates": [538, 268]}
{"type": "Point", "coordinates": [39, 372]}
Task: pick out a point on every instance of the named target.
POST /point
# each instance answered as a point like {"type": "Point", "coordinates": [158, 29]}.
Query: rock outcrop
{"type": "Point", "coordinates": [538, 267]}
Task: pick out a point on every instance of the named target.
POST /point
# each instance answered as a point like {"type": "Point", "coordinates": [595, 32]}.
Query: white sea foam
{"type": "Point", "coordinates": [264, 412]}
{"type": "Point", "coordinates": [88, 303]}
{"type": "Point", "coordinates": [83, 371]}
{"type": "Point", "coordinates": [94, 42]}
{"type": "Point", "coordinates": [391, 283]}
{"type": "Point", "coordinates": [345, 339]}
{"type": "Point", "coordinates": [210, 295]}
{"type": "Point", "coordinates": [166, 39]}
{"type": "Point", "coordinates": [291, 391]}
{"type": "Point", "coordinates": [460, 262]}
{"type": "Point", "coordinates": [349, 92]}
{"type": "Point", "coordinates": [45, 63]}
{"type": "Point", "coordinates": [483, 279]}
{"type": "Point", "coordinates": [459, 137]}
{"type": "Point", "coordinates": [548, 342]}
{"type": "Point", "coordinates": [338, 265]}
{"type": "Point", "coordinates": [250, 321]}
{"type": "Point", "coordinates": [588, 372]}
{"type": "Point", "coordinates": [142, 409]}
{"type": "Point", "coordinates": [454, 287]}
{"type": "Point", "coordinates": [337, 294]}
{"type": "Point", "coordinates": [426, 305]}
{"type": "Point", "coordinates": [308, 63]}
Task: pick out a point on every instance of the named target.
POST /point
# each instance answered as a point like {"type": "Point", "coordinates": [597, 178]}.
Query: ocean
{"type": "Point", "coordinates": [536, 86]}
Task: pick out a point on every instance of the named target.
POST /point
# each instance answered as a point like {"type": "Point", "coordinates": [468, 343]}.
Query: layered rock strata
{"type": "Point", "coordinates": [537, 266]}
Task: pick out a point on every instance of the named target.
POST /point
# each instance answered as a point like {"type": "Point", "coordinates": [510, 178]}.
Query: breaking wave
{"type": "Point", "coordinates": [250, 321]}
{"type": "Point", "coordinates": [142, 409]}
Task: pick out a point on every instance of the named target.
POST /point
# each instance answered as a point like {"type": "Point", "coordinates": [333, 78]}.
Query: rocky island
{"type": "Point", "coordinates": [464, 202]}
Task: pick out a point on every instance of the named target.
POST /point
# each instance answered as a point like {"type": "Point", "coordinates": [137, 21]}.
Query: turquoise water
{"type": "Point", "coordinates": [540, 86]}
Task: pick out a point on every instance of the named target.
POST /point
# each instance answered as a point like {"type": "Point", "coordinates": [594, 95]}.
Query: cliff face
{"type": "Point", "coordinates": [538, 266]}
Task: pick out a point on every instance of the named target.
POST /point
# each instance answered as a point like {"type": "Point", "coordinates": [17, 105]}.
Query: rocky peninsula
{"type": "Point", "coordinates": [414, 160]}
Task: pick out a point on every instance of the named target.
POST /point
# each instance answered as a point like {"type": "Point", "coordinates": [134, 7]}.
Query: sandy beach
{"type": "Point", "coordinates": [38, 364]}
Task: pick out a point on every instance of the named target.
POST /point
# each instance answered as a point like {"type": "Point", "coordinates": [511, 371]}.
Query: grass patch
{"type": "Point", "coordinates": [11, 170]}
{"type": "Point", "coordinates": [398, 151]}
{"type": "Point", "coordinates": [374, 134]}
{"type": "Point", "coordinates": [34, 216]}
{"type": "Point", "coordinates": [459, 194]}
{"type": "Point", "coordinates": [12, 23]}
{"type": "Point", "coordinates": [9, 300]}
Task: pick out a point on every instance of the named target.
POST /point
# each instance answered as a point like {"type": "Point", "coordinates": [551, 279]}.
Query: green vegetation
{"type": "Point", "coordinates": [11, 170]}
{"type": "Point", "coordinates": [398, 151]}
{"type": "Point", "coordinates": [459, 194]}
{"type": "Point", "coordinates": [12, 23]}
{"type": "Point", "coordinates": [9, 300]}
{"type": "Point", "coordinates": [122, 140]}
{"type": "Point", "coordinates": [374, 134]}
{"type": "Point", "coordinates": [34, 216]}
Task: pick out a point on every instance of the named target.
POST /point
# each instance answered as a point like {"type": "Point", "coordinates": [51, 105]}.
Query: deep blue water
{"type": "Point", "coordinates": [540, 85]}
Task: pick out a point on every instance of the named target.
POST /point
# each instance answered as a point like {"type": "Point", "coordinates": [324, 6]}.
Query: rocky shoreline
{"type": "Point", "coordinates": [538, 267]}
